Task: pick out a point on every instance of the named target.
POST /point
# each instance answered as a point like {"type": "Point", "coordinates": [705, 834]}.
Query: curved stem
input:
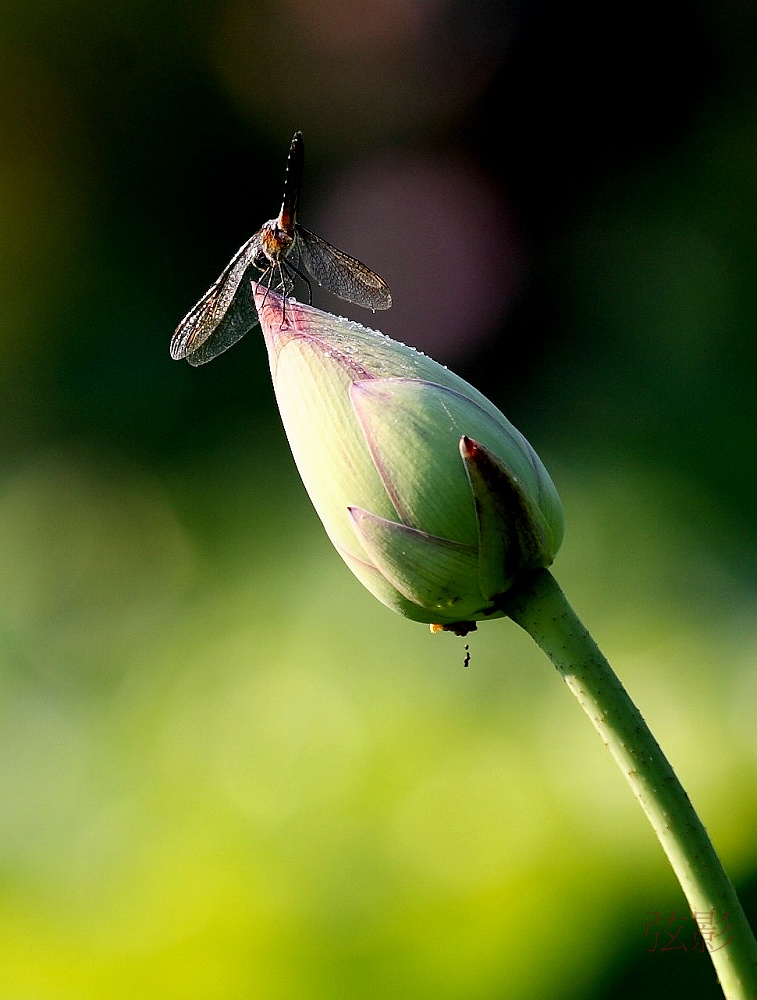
{"type": "Point", "coordinates": [540, 607]}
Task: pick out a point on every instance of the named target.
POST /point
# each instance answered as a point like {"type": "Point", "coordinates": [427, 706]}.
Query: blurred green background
{"type": "Point", "coordinates": [225, 770]}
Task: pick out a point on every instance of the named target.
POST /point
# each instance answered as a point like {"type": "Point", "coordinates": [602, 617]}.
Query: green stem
{"type": "Point", "coordinates": [540, 607]}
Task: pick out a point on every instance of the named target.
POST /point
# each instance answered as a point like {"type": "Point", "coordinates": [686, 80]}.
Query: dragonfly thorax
{"type": "Point", "coordinates": [273, 244]}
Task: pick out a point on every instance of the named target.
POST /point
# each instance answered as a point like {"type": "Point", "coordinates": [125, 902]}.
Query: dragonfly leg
{"type": "Point", "coordinates": [282, 285]}
{"type": "Point", "coordinates": [300, 274]}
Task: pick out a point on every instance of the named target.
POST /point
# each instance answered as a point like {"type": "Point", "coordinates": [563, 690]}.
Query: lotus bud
{"type": "Point", "coordinates": [433, 499]}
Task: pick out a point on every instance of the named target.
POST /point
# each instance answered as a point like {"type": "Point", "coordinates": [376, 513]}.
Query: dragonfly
{"type": "Point", "coordinates": [279, 251]}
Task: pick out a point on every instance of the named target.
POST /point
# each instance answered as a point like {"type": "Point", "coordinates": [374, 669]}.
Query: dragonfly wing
{"type": "Point", "coordinates": [217, 308]}
{"type": "Point", "coordinates": [341, 274]}
{"type": "Point", "coordinates": [239, 319]}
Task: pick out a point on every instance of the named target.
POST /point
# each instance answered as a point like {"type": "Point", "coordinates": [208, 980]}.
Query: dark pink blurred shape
{"type": "Point", "coordinates": [441, 234]}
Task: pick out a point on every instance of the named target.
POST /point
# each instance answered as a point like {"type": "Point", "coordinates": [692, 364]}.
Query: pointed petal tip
{"type": "Point", "coordinates": [277, 314]}
{"type": "Point", "coordinates": [468, 447]}
{"type": "Point", "coordinates": [269, 306]}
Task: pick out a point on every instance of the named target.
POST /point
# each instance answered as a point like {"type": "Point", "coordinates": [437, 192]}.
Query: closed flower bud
{"type": "Point", "coordinates": [432, 498]}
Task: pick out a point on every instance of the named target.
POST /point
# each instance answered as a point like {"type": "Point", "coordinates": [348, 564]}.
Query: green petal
{"type": "Point", "coordinates": [438, 575]}
{"type": "Point", "coordinates": [413, 429]}
{"type": "Point", "coordinates": [513, 533]}
{"type": "Point", "coordinates": [327, 442]}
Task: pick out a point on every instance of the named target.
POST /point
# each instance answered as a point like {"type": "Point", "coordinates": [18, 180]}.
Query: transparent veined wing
{"type": "Point", "coordinates": [340, 273]}
{"type": "Point", "coordinates": [222, 314]}
{"type": "Point", "coordinates": [239, 319]}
